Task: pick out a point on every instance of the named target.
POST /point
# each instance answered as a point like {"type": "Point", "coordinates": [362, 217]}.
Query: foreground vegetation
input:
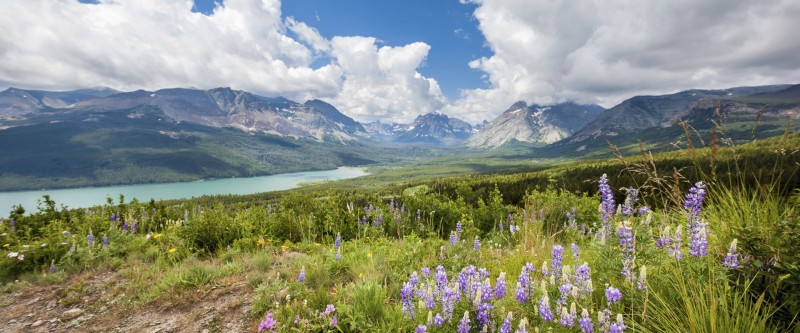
{"type": "Point", "coordinates": [697, 241]}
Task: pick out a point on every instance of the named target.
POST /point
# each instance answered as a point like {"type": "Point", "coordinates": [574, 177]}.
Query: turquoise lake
{"type": "Point", "coordinates": [90, 196]}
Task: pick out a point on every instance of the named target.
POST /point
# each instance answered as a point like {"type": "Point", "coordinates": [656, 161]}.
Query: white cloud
{"type": "Point", "coordinates": [604, 51]}
{"type": "Point", "coordinates": [309, 35]}
{"type": "Point", "coordinates": [382, 83]}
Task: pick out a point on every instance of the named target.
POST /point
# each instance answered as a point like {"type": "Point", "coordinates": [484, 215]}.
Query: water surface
{"type": "Point", "coordinates": [90, 196]}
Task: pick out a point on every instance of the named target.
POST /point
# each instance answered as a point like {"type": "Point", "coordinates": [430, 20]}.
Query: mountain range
{"type": "Point", "coordinates": [102, 136]}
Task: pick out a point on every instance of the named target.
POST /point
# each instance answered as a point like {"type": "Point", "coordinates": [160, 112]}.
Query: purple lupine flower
{"type": "Point", "coordinates": [575, 250]}
{"type": "Point", "coordinates": [585, 322]}
{"type": "Point", "coordinates": [442, 251]}
{"type": "Point", "coordinates": [413, 279]}
{"type": "Point", "coordinates": [558, 259]}
{"type": "Point", "coordinates": [268, 324]}
{"type": "Point", "coordinates": [406, 294]}
{"type": "Point", "coordinates": [487, 292]}
{"type": "Point", "coordinates": [90, 238]}
{"type": "Point", "coordinates": [544, 309]}
{"type": "Point", "coordinates": [644, 210]}
{"type": "Point", "coordinates": [613, 295]}
{"type": "Point", "coordinates": [618, 326]}
{"type": "Point", "coordinates": [421, 328]}
{"type": "Point", "coordinates": [391, 204]}
{"type": "Point", "coordinates": [604, 320]}
{"type": "Point", "coordinates": [477, 244]}
{"type": "Point", "coordinates": [338, 242]}
{"type": "Point", "coordinates": [458, 227]}
{"type": "Point", "coordinates": [440, 277]}
{"type": "Point", "coordinates": [626, 241]}
{"type": "Point", "coordinates": [571, 218]}
{"type": "Point", "coordinates": [506, 326]}
{"type": "Point", "coordinates": [418, 215]}
{"type": "Point", "coordinates": [449, 302]}
{"type": "Point", "coordinates": [630, 201]}
{"type": "Point", "coordinates": [567, 318]}
{"type": "Point", "coordinates": [125, 226]}
{"type": "Point", "coordinates": [426, 272]}
{"type": "Point", "coordinates": [732, 258]}
{"type": "Point", "coordinates": [564, 289]}
{"type": "Point", "coordinates": [438, 320]}
{"type": "Point", "coordinates": [463, 325]}
{"type": "Point", "coordinates": [694, 199]}
{"type": "Point", "coordinates": [428, 297]}
{"type": "Point", "coordinates": [302, 277]}
{"type": "Point", "coordinates": [484, 314]}
{"type": "Point", "coordinates": [328, 310]}
{"type": "Point", "coordinates": [362, 221]}
{"type": "Point", "coordinates": [453, 238]}
{"type": "Point", "coordinates": [378, 221]}
{"type": "Point", "coordinates": [52, 267]}
{"type": "Point", "coordinates": [500, 286]}
{"type": "Point", "coordinates": [113, 218]}
{"type": "Point", "coordinates": [338, 254]}
{"type": "Point", "coordinates": [583, 280]}
{"type": "Point", "coordinates": [698, 244]}
{"type": "Point", "coordinates": [135, 226]}
{"type": "Point", "coordinates": [523, 323]}
{"type": "Point", "coordinates": [665, 239]}
{"type": "Point", "coordinates": [523, 285]}
{"type": "Point", "coordinates": [334, 321]}
{"type": "Point", "coordinates": [105, 241]}
{"type": "Point", "coordinates": [607, 205]}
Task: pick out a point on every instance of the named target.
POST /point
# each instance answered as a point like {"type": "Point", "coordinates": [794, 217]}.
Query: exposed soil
{"type": "Point", "coordinates": [93, 302]}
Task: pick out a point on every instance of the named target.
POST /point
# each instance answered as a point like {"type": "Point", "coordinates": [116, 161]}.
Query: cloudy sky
{"type": "Point", "coordinates": [395, 60]}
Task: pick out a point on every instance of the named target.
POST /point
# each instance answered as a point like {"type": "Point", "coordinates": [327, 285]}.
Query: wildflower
{"type": "Point", "coordinates": [585, 322]}
{"type": "Point", "coordinates": [604, 320]}
{"type": "Point", "coordinates": [625, 234]}
{"type": "Point", "coordinates": [125, 226]}
{"type": "Point", "coordinates": [575, 250]}
{"type": "Point", "coordinates": [147, 237]}
{"type": "Point", "coordinates": [523, 286]}
{"type": "Point", "coordinates": [732, 259]}
{"type": "Point", "coordinates": [135, 226]}
{"type": "Point", "coordinates": [694, 199]}
{"type": "Point", "coordinates": [544, 308]}
{"type": "Point", "coordinates": [377, 221]}
{"type": "Point", "coordinates": [422, 328]}
{"type": "Point", "coordinates": [567, 318]}
{"type": "Point", "coordinates": [406, 294]}
{"type": "Point", "coordinates": [6, 245]}
{"type": "Point", "coordinates": [618, 326]}
{"type": "Point", "coordinates": [442, 253]}
{"type": "Point", "coordinates": [613, 295]}
{"type": "Point", "coordinates": [641, 284]}
{"type": "Point", "coordinates": [558, 258]}
{"type": "Point", "coordinates": [583, 280]}
{"type": "Point", "coordinates": [438, 320]}
{"type": "Point", "coordinates": [665, 239]}
{"type": "Point", "coordinates": [571, 219]}
{"type": "Point", "coordinates": [334, 321]}
{"type": "Point", "coordinates": [463, 325]}
{"type": "Point", "coordinates": [157, 236]}
{"type": "Point", "coordinates": [43, 245]}
{"type": "Point", "coordinates": [459, 227]}
{"type": "Point", "coordinates": [268, 324]}
{"type": "Point", "coordinates": [453, 238]}
{"type": "Point", "coordinates": [426, 272]}
{"type": "Point", "coordinates": [105, 241]}
{"type": "Point", "coordinates": [630, 200]}
{"type": "Point", "coordinates": [675, 250]}
{"type": "Point", "coordinates": [52, 267]}
{"type": "Point", "coordinates": [172, 250]}
{"type": "Point", "coordinates": [484, 314]}
{"type": "Point", "coordinates": [338, 243]}
{"type": "Point", "coordinates": [21, 257]}
{"type": "Point", "coordinates": [500, 286]}
{"type": "Point", "coordinates": [90, 238]}
{"type": "Point", "coordinates": [644, 210]}
{"type": "Point", "coordinates": [328, 310]}
{"type": "Point", "coordinates": [523, 323]}
{"type": "Point", "coordinates": [506, 326]}
{"type": "Point", "coordinates": [565, 289]}
{"type": "Point", "coordinates": [12, 254]}
{"type": "Point", "coordinates": [302, 277]}
{"type": "Point", "coordinates": [698, 244]}
{"type": "Point", "coordinates": [608, 205]}
{"type": "Point", "coordinates": [477, 244]}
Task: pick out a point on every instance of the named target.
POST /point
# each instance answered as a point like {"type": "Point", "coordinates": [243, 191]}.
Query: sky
{"type": "Point", "coordinates": [394, 60]}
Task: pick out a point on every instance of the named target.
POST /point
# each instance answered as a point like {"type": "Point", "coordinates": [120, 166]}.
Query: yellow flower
{"type": "Point", "coordinates": [369, 254]}
{"type": "Point", "coordinates": [261, 241]}
{"type": "Point", "coordinates": [6, 245]}
{"type": "Point", "coordinates": [156, 236]}
{"type": "Point", "coordinates": [360, 275]}
{"type": "Point", "coordinates": [172, 250]}
{"type": "Point", "coordinates": [317, 244]}
{"type": "Point", "coordinates": [284, 247]}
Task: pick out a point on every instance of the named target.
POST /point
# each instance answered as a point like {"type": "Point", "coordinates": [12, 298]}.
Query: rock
{"type": "Point", "coordinates": [51, 305]}
{"type": "Point", "coordinates": [33, 301]}
{"type": "Point", "coordinates": [37, 323]}
{"type": "Point", "coordinates": [71, 314]}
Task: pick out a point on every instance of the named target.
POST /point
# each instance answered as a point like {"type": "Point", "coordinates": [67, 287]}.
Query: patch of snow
{"type": "Point", "coordinates": [152, 95]}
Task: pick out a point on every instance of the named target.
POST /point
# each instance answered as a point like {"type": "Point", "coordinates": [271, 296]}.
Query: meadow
{"type": "Point", "coordinates": [695, 240]}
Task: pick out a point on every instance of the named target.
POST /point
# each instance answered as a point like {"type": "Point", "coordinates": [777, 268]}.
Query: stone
{"type": "Point", "coordinates": [37, 323]}
{"type": "Point", "coordinates": [71, 314]}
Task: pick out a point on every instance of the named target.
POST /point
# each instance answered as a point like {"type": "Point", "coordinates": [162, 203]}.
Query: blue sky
{"type": "Point", "coordinates": [395, 60]}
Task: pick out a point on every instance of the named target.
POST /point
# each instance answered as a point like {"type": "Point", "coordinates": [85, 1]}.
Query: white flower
{"type": "Point", "coordinates": [147, 237]}
{"type": "Point", "coordinates": [13, 254]}
{"type": "Point", "coordinates": [21, 257]}
{"type": "Point", "coordinates": [43, 245]}
{"type": "Point", "coordinates": [26, 246]}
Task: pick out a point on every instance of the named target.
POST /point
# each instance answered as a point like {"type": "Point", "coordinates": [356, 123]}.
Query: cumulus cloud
{"type": "Point", "coordinates": [382, 83]}
{"type": "Point", "coordinates": [245, 44]}
{"type": "Point", "coordinates": [605, 51]}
